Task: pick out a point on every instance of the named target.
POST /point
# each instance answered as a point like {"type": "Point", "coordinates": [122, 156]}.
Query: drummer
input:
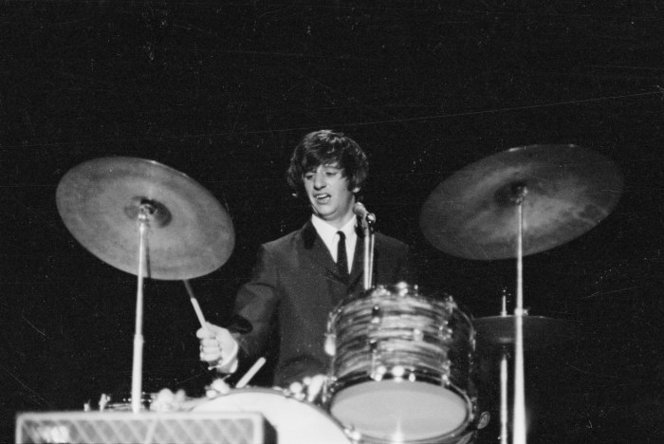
{"type": "Point", "coordinates": [299, 278]}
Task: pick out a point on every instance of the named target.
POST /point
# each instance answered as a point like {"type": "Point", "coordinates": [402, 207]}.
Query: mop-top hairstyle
{"type": "Point", "coordinates": [327, 147]}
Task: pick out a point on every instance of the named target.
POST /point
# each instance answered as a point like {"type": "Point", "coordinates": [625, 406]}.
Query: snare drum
{"type": "Point", "coordinates": [401, 366]}
{"type": "Point", "coordinates": [295, 422]}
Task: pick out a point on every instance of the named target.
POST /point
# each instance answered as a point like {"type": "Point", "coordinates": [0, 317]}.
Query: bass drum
{"type": "Point", "coordinates": [295, 422]}
{"type": "Point", "coordinates": [401, 366]}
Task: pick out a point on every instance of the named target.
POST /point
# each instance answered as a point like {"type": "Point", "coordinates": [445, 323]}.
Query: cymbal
{"type": "Point", "coordinates": [538, 331]}
{"type": "Point", "coordinates": [189, 233]}
{"type": "Point", "coordinates": [568, 190]}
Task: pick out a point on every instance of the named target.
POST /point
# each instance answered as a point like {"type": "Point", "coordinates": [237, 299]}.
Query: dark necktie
{"type": "Point", "coordinates": [342, 258]}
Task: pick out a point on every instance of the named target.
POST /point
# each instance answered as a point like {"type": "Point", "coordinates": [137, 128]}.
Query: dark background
{"type": "Point", "coordinates": [222, 91]}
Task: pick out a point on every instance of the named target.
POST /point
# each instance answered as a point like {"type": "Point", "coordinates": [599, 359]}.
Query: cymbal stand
{"type": "Point", "coordinates": [503, 396]}
{"type": "Point", "coordinates": [503, 381]}
{"type": "Point", "coordinates": [368, 228]}
{"type": "Point", "coordinates": [144, 212]}
{"type": "Point", "coordinates": [519, 423]}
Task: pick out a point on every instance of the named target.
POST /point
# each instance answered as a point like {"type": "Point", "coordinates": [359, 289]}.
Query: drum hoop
{"type": "Point", "coordinates": [335, 388]}
{"type": "Point", "coordinates": [454, 307]}
{"type": "Point", "coordinates": [339, 384]}
{"type": "Point", "coordinates": [278, 392]}
{"type": "Point", "coordinates": [359, 377]}
{"type": "Point", "coordinates": [283, 395]}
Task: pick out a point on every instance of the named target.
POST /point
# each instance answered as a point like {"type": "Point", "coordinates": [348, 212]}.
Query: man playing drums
{"type": "Point", "coordinates": [299, 279]}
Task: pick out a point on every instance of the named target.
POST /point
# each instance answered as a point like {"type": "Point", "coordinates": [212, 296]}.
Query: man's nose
{"type": "Point", "coordinates": [319, 181]}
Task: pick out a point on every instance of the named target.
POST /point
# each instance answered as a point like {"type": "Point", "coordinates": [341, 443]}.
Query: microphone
{"type": "Point", "coordinates": [361, 211]}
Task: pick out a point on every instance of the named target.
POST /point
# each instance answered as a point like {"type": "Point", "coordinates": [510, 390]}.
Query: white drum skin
{"type": "Point", "coordinates": [295, 422]}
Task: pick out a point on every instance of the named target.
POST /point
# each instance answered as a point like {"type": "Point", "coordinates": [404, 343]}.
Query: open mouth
{"type": "Point", "coordinates": [322, 198]}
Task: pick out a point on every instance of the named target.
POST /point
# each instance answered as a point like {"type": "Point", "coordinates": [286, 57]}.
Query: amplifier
{"type": "Point", "coordinates": [144, 427]}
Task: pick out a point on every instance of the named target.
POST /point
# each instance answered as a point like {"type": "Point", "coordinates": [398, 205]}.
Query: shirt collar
{"type": "Point", "coordinates": [327, 232]}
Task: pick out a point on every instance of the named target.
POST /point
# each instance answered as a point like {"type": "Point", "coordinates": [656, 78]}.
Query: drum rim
{"type": "Point", "coordinates": [358, 377]}
{"type": "Point", "coordinates": [362, 378]}
{"type": "Point", "coordinates": [448, 300]}
{"type": "Point", "coordinates": [275, 391]}
{"type": "Point", "coordinates": [413, 291]}
{"type": "Point", "coordinates": [283, 394]}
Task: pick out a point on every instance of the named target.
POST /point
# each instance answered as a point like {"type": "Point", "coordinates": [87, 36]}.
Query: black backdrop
{"type": "Point", "coordinates": [223, 90]}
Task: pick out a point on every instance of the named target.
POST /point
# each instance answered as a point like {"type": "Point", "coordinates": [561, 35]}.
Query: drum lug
{"type": "Point", "coordinates": [328, 388]}
{"type": "Point", "coordinates": [445, 332]}
{"type": "Point", "coordinates": [446, 369]}
{"type": "Point", "coordinates": [378, 372]}
{"type": "Point", "coordinates": [402, 289]}
{"type": "Point", "coordinates": [331, 344]}
{"type": "Point", "coordinates": [353, 434]}
{"type": "Point", "coordinates": [376, 314]}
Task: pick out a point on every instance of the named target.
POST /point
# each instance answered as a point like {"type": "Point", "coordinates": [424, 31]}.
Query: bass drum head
{"type": "Point", "coordinates": [399, 411]}
{"type": "Point", "coordinates": [295, 422]}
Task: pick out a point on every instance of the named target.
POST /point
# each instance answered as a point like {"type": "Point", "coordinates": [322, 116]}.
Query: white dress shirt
{"type": "Point", "coordinates": [331, 238]}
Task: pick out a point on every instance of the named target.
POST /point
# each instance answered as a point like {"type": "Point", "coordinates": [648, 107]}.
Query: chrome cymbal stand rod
{"type": "Point", "coordinates": [504, 415]}
{"type": "Point", "coordinates": [519, 425]}
{"type": "Point", "coordinates": [137, 362]}
{"type": "Point", "coordinates": [503, 397]}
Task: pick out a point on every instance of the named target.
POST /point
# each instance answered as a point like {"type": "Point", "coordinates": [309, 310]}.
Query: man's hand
{"type": "Point", "coordinates": [218, 347]}
{"type": "Point", "coordinates": [167, 401]}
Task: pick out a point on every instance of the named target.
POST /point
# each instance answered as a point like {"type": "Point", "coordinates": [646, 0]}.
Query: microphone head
{"type": "Point", "coordinates": [359, 209]}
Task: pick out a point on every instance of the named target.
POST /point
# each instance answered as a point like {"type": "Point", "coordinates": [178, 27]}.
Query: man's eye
{"type": "Point", "coordinates": [308, 176]}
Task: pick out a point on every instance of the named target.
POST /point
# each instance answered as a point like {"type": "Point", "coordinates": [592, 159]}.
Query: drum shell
{"type": "Point", "coordinates": [398, 327]}
{"type": "Point", "coordinates": [394, 336]}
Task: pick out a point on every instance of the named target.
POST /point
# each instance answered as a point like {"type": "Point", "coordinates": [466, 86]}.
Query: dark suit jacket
{"type": "Point", "coordinates": [294, 288]}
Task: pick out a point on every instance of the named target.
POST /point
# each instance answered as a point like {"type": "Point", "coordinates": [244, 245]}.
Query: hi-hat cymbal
{"type": "Point", "coordinates": [568, 190]}
{"type": "Point", "coordinates": [538, 331]}
{"type": "Point", "coordinates": [189, 233]}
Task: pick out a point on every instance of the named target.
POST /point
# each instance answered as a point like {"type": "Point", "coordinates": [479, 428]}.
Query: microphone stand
{"type": "Point", "coordinates": [368, 229]}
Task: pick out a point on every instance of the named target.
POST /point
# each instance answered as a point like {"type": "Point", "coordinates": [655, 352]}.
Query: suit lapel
{"type": "Point", "coordinates": [319, 252]}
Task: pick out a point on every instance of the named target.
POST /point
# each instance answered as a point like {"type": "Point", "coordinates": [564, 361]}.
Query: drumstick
{"type": "Point", "coordinates": [250, 374]}
{"type": "Point", "coordinates": [194, 302]}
